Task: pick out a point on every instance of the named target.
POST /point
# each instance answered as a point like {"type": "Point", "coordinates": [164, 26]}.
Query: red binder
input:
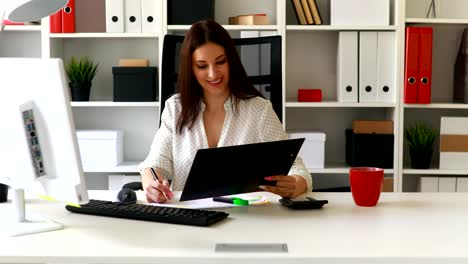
{"type": "Point", "coordinates": [425, 66]}
{"type": "Point", "coordinates": [68, 17]}
{"type": "Point", "coordinates": [56, 22]}
{"type": "Point", "coordinates": [411, 65]}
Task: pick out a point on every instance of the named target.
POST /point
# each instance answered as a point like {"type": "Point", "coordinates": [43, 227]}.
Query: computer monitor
{"type": "Point", "coordinates": [38, 146]}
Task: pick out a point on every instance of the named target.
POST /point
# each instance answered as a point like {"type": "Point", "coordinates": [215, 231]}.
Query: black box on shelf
{"type": "Point", "coordinates": [370, 150]}
{"type": "Point", "coordinates": [187, 12]}
{"type": "Point", "coordinates": [135, 84]}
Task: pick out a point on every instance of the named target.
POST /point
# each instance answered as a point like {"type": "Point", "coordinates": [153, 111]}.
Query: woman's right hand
{"type": "Point", "coordinates": [157, 191]}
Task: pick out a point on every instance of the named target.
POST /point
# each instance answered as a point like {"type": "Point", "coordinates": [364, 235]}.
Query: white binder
{"type": "Point", "coordinates": [386, 84]}
{"type": "Point", "coordinates": [429, 184]}
{"type": "Point", "coordinates": [462, 184]}
{"type": "Point", "coordinates": [367, 67]}
{"type": "Point", "coordinates": [151, 16]}
{"type": "Point", "coordinates": [447, 184]}
{"type": "Point", "coordinates": [347, 60]}
{"type": "Point", "coordinates": [115, 16]}
{"type": "Point", "coordinates": [132, 15]}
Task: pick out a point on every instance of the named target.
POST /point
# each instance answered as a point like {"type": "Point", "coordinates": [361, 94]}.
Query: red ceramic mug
{"type": "Point", "coordinates": [366, 185]}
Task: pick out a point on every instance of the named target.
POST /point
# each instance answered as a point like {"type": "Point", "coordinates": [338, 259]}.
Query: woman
{"type": "Point", "coordinates": [216, 106]}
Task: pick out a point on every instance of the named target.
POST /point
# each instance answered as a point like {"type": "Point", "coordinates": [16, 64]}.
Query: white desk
{"type": "Point", "coordinates": [403, 228]}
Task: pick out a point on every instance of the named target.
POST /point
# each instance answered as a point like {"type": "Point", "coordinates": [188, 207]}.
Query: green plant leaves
{"type": "Point", "coordinates": [81, 69]}
{"type": "Point", "coordinates": [421, 136]}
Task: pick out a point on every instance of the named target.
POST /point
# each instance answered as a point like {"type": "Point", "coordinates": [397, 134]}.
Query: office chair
{"type": "Point", "coordinates": [264, 73]}
{"type": "Point", "coordinates": [267, 76]}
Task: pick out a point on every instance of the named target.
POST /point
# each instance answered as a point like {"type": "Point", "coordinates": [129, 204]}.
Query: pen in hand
{"type": "Point", "coordinates": [155, 177]}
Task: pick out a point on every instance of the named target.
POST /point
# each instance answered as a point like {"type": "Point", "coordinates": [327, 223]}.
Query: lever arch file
{"type": "Point", "coordinates": [56, 22]}
{"type": "Point", "coordinates": [115, 16]}
{"type": "Point", "coordinates": [411, 65]}
{"type": "Point", "coordinates": [425, 66]}
{"type": "Point", "coordinates": [68, 17]}
{"type": "Point", "coordinates": [132, 14]}
{"type": "Point", "coordinates": [151, 13]}
{"type": "Point", "coordinates": [347, 67]}
{"type": "Point", "coordinates": [367, 66]}
{"type": "Point", "coordinates": [386, 91]}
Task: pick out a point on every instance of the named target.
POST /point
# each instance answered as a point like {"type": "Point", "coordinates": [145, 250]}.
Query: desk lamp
{"type": "Point", "coordinates": [33, 10]}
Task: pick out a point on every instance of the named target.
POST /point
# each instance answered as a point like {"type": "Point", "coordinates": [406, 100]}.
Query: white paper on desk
{"type": "Point", "coordinates": [256, 198]}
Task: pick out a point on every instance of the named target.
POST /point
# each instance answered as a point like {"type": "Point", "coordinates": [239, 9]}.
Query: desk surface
{"type": "Point", "coordinates": [408, 227]}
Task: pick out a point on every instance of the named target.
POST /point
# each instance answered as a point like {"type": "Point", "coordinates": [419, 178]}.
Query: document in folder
{"type": "Point", "coordinates": [238, 169]}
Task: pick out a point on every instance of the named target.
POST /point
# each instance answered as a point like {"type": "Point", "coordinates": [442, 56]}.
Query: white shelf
{"type": "Point", "coordinates": [337, 104]}
{"type": "Point", "coordinates": [437, 21]}
{"type": "Point", "coordinates": [23, 28]}
{"type": "Point", "coordinates": [124, 167]}
{"type": "Point", "coordinates": [229, 27]}
{"type": "Point", "coordinates": [104, 35]}
{"type": "Point", "coordinates": [114, 104]}
{"type": "Point", "coordinates": [438, 106]}
{"type": "Point", "coordinates": [338, 28]}
{"type": "Point", "coordinates": [435, 172]}
{"type": "Point", "coordinates": [338, 170]}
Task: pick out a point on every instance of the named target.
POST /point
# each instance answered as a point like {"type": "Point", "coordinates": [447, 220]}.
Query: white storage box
{"type": "Point", "coordinates": [360, 12]}
{"type": "Point", "coordinates": [117, 181]}
{"type": "Point", "coordinates": [313, 150]}
{"type": "Point", "coordinates": [100, 149]}
{"type": "Point", "coordinates": [453, 143]}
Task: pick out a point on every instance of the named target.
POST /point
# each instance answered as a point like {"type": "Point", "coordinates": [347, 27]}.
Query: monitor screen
{"type": "Point", "coordinates": [39, 150]}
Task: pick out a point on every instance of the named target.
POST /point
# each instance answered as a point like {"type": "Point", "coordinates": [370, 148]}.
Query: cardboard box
{"type": "Point", "coordinates": [373, 127]}
{"type": "Point", "coordinates": [133, 62]}
{"type": "Point", "coordinates": [100, 149]}
{"type": "Point", "coordinates": [387, 185]}
{"type": "Point", "coordinates": [309, 95]}
{"type": "Point", "coordinates": [453, 143]}
{"type": "Point", "coordinates": [360, 12]}
{"type": "Point", "coordinates": [313, 150]}
{"type": "Point", "coordinates": [249, 20]}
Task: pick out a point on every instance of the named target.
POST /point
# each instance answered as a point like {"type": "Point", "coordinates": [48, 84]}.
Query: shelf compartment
{"type": "Point", "coordinates": [337, 104]}
{"type": "Point", "coordinates": [330, 169]}
{"type": "Point", "coordinates": [434, 171]}
{"type": "Point", "coordinates": [458, 21]}
{"type": "Point", "coordinates": [438, 106]}
{"type": "Point", "coordinates": [124, 167]}
{"type": "Point", "coordinates": [339, 28]}
{"type": "Point", "coordinates": [114, 104]}
{"type": "Point", "coordinates": [104, 35]}
{"type": "Point", "coordinates": [228, 27]}
{"type": "Point", "coordinates": [23, 28]}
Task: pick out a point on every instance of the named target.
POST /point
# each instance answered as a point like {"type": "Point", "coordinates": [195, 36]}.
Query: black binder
{"type": "Point", "coordinates": [187, 12]}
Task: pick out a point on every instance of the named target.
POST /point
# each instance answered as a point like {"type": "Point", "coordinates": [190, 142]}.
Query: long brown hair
{"type": "Point", "coordinates": [190, 90]}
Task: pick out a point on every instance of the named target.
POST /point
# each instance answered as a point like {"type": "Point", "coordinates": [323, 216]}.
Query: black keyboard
{"type": "Point", "coordinates": [145, 212]}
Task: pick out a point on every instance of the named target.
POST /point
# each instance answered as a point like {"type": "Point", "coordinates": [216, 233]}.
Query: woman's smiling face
{"type": "Point", "coordinates": [211, 69]}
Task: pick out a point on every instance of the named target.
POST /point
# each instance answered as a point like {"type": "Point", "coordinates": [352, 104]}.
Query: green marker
{"type": "Point", "coordinates": [231, 200]}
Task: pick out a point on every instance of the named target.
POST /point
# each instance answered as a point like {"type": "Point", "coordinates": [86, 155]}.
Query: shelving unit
{"type": "Point", "coordinates": [447, 27]}
{"type": "Point", "coordinates": [309, 61]}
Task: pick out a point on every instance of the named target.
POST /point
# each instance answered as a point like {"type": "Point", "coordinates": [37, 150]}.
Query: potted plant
{"type": "Point", "coordinates": [420, 138]}
{"type": "Point", "coordinates": [80, 72]}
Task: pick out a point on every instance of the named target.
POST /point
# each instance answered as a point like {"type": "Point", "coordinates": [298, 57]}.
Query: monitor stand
{"type": "Point", "coordinates": [16, 224]}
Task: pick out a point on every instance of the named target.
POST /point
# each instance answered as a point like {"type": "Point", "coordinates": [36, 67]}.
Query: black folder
{"type": "Point", "coordinates": [238, 169]}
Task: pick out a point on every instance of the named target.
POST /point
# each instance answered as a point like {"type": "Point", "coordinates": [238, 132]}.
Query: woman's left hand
{"type": "Point", "coordinates": [289, 186]}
